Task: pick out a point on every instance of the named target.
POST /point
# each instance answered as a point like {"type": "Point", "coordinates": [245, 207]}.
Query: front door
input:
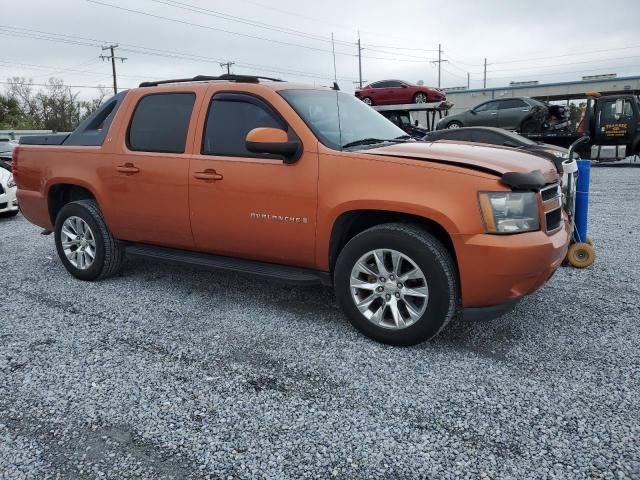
{"type": "Point", "coordinates": [149, 191]}
{"type": "Point", "coordinates": [612, 128]}
{"type": "Point", "coordinates": [251, 205]}
{"type": "Point", "coordinates": [485, 115]}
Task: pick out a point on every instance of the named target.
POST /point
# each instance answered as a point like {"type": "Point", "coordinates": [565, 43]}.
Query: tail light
{"type": "Point", "coordinates": [14, 163]}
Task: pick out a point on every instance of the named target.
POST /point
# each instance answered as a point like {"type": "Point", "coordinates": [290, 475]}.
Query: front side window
{"type": "Point", "coordinates": [231, 117]}
{"type": "Point", "coordinates": [393, 84]}
{"type": "Point", "coordinates": [337, 119]}
{"type": "Point", "coordinates": [160, 122]}
{"type": "Point", "coordinates": [485, 107]}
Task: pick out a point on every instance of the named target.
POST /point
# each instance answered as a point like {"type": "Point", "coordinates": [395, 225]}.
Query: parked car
{"type": "Point", "coordinates": [301, 184]}
{"type": "Point", "coordinates": [6, 147]}
{"type": "Point", "coordinates": [398, 92]}
{"type": "Point", "coordinates": [8, 201]}
{"type": "Point", "coordinates": [402, 119]}
{"type": "Point", "coordinates": [499, 136]}
{"type": "Point", "coordinates": [513, 113]}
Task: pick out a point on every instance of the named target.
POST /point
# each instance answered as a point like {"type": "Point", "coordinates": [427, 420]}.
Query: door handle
{"type": "Point", "coordinates": [525, 109]}
{"type": "Point", "coordinates": [493, 113]}
{"type": "Point", "coordinates": [208, 175]}
{"type": "Point", "coordinates": [128, 168]}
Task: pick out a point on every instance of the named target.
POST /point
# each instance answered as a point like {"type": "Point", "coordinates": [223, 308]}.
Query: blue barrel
{"type": "Point", "coordinates": [582, 200]}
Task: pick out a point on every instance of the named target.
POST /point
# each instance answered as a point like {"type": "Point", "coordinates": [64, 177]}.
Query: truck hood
{"type": "Point", "coordinates": [487, 158]}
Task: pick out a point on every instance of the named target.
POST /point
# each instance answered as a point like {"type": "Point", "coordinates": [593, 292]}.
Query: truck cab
{"type": "Point", "coordinates": [613, 123]}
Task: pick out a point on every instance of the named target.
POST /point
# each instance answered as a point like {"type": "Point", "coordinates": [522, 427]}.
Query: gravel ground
{"type": "Point", "coordinates": [170, 372]}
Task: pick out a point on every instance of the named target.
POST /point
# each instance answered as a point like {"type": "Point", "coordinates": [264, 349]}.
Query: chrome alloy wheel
{"type": "Point", "coordinates": [389, 289]}
{"type": "Point", "coordinates": [78, 243]}
{"type": "Point", "coordinates": [420, 98]}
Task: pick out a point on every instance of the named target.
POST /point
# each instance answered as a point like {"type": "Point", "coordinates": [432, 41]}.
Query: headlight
{"type": "Point", "coordinates": [509, 212]}
{"type": "Point", "coordinates": [11, 183]}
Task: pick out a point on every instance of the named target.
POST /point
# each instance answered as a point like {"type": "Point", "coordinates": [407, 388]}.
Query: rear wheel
{"type": "Point", "coordinates": [454, 124]}
{"type": "Point", "coordinates": [397, 284]}
{"type": "Point", "coordinates": [367, 100]}
{"type": "Point", "coordinates": [85, 245]}
{"type": "Point", "coordinates": [420, 98]}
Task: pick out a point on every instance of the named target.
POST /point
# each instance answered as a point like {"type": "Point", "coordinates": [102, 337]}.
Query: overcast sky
{"type": "Point", "coordinates": [522, 40]}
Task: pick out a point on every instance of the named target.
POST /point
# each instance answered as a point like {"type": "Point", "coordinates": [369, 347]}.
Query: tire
{"type": "Point", "coordinates": [367, 100]}
{"type": "Point", "coordinates": [432, 259]}
{"type": "Point", "coordinates": [108, 253]}
{"type": "Point", "coordinates": [454, 124]}
{"type": "Point", "coordinates": [420, 97]}
{"type": "Point", "coordinates": [581, 255]}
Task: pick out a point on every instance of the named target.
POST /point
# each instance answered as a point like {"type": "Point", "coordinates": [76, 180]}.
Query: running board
{"type": "Point", "coordinates": [281, 273]}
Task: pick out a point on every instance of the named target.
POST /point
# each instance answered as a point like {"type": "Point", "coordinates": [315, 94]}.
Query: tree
{"type": "Point", "coordinates": [56, 107]}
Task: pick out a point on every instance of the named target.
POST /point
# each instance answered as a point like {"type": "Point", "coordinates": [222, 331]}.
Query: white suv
{"type": "Point", "coordinates": [8, 201]}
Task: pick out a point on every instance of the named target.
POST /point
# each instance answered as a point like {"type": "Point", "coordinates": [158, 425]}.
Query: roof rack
{"type": "Point", "coordinates": [206, 78]}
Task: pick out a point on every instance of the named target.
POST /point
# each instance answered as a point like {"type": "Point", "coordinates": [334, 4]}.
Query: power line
{"type": "Point", "coordinates": [56, 37]}
{"type": "Point", "coordinates": [48, 85]}
{"type": "Point", "coordinates": [207, 27]}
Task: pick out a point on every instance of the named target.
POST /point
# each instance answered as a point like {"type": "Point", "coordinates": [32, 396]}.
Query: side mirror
{"type": "Point", "coordinates": [619, 106]}
{"type": "Point", "coordinates": [403, 86]}
{"type": "Point", "coordinates": [473, 112]}
{"type": "Point", "coordinates": [275, 142]}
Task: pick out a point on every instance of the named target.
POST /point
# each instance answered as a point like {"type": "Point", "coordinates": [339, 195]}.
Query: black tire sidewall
{"type": "Point", "coordinates": [76, 209]}
{"type": "Point", "coordinates": [440, 308]}
{"type": "Point", "coordinates": [454, 122]}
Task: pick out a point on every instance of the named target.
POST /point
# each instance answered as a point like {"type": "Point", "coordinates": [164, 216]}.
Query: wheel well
{"type": "Point", "coordinates": [350, 224]}
{"type": "Point", "coordinates": [61, 194]}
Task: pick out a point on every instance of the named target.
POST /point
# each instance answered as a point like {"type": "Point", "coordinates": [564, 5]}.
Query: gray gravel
{"type": "Point", "coordinates": [171, 372]}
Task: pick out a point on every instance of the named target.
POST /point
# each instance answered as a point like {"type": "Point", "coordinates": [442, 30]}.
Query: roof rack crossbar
{"type": "Point", "coordinates": [206, 78]}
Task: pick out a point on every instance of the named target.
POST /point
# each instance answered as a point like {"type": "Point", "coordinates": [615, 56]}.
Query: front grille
{"type": "Point", "coordinates": [552, 206]}
{"type": "Point", "coordinates": [550, 192]}
{"type": "Point", "coordinates": [554, 219]}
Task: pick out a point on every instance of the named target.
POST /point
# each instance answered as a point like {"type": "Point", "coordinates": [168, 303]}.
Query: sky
{"type": "Point", "coordinates": [522, 40]}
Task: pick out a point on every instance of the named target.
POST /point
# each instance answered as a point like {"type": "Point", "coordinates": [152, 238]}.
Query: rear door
{"type": "Point", "coordinates": [149, 191]}
{"type": "Point", "coordinates": [511, 112]}
{"type": "Point", "coordinates": [259, 207]}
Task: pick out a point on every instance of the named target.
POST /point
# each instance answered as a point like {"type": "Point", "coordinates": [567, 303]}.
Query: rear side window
{"type": "Point", "coordinates": [230, 118]}
{"type": "Point", "coordinates": [160, 122]}
{"type": "Point", "coordinates": [513, 103]}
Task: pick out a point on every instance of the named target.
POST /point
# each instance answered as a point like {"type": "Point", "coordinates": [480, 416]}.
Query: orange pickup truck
{"type": "Point", "coordinates": [301, 184]}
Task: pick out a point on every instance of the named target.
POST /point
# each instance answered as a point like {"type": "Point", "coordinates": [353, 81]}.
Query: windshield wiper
{"type": "Point", "coordinates": [371, 141]}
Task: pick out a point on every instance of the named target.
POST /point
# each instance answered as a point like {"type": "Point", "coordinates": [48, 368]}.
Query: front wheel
{"type": "Point", "coordinates": [84, 243]}
{"type": "Point", "coordinates": [420, 98]}
{"type": "Point", "coordinates": [367, 101]}
{"type": "Point", "coordinates": [454, 124]}
{"type": "Point", "coordinates": [397, 284]}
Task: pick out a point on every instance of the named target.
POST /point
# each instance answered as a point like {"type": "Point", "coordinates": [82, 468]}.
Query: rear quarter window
{"type": "Point", "coordinates": [160, 123]}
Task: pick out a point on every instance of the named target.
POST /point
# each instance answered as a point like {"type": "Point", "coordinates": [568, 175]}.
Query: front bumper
{"type": "Point", "coordinates": [8, 201]}
{"type": "Point", "coordinates": [497, 269]}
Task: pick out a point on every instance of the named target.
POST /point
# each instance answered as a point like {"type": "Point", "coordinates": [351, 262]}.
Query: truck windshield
{"type": "Point", "coordinates": [356, 123]}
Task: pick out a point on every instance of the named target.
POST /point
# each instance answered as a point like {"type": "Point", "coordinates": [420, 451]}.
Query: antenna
{"type": "Point", "coordinates": [336, 88]}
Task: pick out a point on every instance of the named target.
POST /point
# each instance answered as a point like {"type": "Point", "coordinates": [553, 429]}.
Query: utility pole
{"type": "Point", "coordinates": [113, 59]}
{"type": "Point", "coordinates": [485, 72]}
{"type": "Point", "coordinates": [439, 62]}
{"type": "Point", "coordinates": [227, 65]}
{"type": "Point", "coordinates": [468, 80]}
{"type": "Point", "coordinates": [359, 62]}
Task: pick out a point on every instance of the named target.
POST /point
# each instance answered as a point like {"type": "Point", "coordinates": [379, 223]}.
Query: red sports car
{"type": "Point", "coordinates": [394, 92]}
